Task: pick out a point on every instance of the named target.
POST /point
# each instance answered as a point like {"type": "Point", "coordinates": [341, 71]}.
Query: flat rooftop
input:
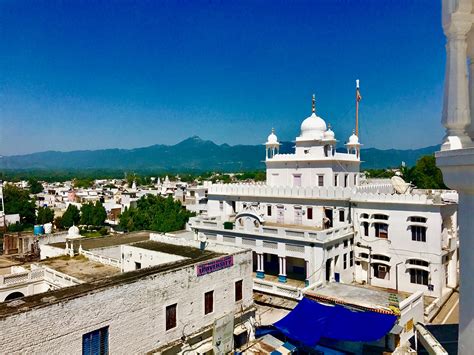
{"type": "Point", "coordinates": [292, 226]}
{"type": "Point", "coordinates": [107, 241]}
{"type": "Point", "coordinates": [44, 299]}
{"type": "Point", "coordinates": [336, 292]}
{"type": "Point", "coordinates": [185, 251]}
{"type": "Point", "coordinates": [80, 267]}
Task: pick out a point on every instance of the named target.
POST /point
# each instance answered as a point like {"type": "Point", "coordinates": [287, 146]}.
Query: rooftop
{"type": "Point", "coordinates": [55, 296]}
{"type": "Point", "coordinates": [109, 241]}
{"type": "Point", "coordinates": [80, 267]}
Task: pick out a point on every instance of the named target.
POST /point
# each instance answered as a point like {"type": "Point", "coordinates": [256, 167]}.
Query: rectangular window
{"type": "Point", "coordinates": [346, 243]}
{"type": "Point", "coordinates": [238, 290]}
{"type": "Point", "coordinates": [138, 266]}
{"type": "Point", "coordinates": [336, 179]}
{"type": "Point", "coordinates": [208, 302]}
{"type": "Point", "coordinates": [320, 180]}
{"type": "Point", "coordinates": [419, 277]}
{"type": "Point", "coordinates": [381, 230]}
{"type": "Point", "coordinates": [221, 205]}
{"type": "Point", "coordinates": [171, 316]}
{"type": "Point", "coordinates": [345, 261]}
{"type": "Point", "coordinates": [345, 179]}
{"type": "Point", "coordinates": [355, 179]}
{"type": "Point", "coordinates": [309, 212]}
{"type": "Point", "coordinates": [351, 258]}
{"type": "Point", "coordinates": [96, 342]}
{"type": "Point", "coordinates": [269, 210]}
{"type": "Point", "coordinates": [341, 215]}
{"type": "Point", "coordinates": [418, 233]}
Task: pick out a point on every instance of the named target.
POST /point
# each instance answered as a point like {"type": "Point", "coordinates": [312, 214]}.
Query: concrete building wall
{"type": "Point", "coordinates": [134, 312]}
{"type": "Point", "coordinates": [134, 258]}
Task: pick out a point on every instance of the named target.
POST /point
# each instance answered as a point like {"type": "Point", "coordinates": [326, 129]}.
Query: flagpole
{"type": "Point", "coordinates": [357, 109]}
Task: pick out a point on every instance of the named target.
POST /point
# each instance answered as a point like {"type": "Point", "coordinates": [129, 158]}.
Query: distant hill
{"type": "Point", "coordinates": [192, 154]}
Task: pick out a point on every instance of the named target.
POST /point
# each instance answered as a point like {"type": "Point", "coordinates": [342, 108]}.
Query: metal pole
{"type": "Point", "coordinates": [396, 275]}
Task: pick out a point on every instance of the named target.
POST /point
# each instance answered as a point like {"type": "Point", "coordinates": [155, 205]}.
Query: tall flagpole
{"type": "Point", "coordinates": [358, 97]}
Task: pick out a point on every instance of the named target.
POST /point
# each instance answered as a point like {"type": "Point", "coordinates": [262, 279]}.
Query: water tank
{"type": "Point", "coordinates": [37, 230]}
{"type": "Point", "coordinates": [48, 228]}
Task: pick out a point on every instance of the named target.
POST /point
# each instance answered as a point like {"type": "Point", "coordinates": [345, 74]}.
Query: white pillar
{"type": "Point", "coordinates": [456, 113]}
{"type": "Point", "coordinates": [458, 172]}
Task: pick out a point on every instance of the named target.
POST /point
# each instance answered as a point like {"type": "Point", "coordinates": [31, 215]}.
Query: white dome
{"type": "Point", "coordinates": [272, 138]}
{"type": "Point", "coordinates": [73, 231]}
{"type": "Point", "coordinates": [353, 139]}
{"type": "Point", "coordinates": [329, 134]}
{"type": "Point", "coordinates": [313, 127]}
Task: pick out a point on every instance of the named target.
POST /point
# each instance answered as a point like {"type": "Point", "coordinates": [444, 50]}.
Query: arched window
{"type": "Point", "coordinates": [14, 295]}
{"type": "Point", "coordinates": [380, 216]}
{"type": "Point", "coordinates": [417, 219]}
{"type": "Point", "coordinates": [418, 262]}
{"type": "Point", "coordinates": [380, 257]}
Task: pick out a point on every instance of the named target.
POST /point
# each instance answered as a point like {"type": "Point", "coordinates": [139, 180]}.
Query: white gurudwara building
{"type": "Point", "coordinates": [317, 219]}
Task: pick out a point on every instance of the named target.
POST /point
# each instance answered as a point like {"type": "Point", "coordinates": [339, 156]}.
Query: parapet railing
{"type": "Point", "coordinates": [21, 277]}
{"type": "Point", "coordinates": [101, 259]}
{"type": "Point", "coordinates": [274, 231]}
{"type": "Point", "coordinates": [277, 289]}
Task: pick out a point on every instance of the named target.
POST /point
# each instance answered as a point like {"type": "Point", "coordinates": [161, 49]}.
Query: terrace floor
{"type": "Point", "coordinates": [289, 282]}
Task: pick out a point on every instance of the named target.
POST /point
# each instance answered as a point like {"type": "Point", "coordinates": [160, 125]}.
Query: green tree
{"type": "Point", "coordinates": [99, 216]}
{"type": "Point", "coordinates": [155, 213]}
{"type": "Point", "coordinates": [83, 183]}
{"type": "Point", "coordinates": [87, 212]}
{"type": "Point", "coordinates": [45, 215]}
{"type": "Point", "coordinates": [70, 217]}
{"type": "Point", "coordinates": [35, 186]}
{"type": "Point", "coordinates": [18, 201]}
{"type": "Point", "coordinates": [425, 174]}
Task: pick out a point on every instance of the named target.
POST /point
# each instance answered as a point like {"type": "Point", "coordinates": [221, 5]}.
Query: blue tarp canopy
{"type": "Point", "coordinates": [310, 320]}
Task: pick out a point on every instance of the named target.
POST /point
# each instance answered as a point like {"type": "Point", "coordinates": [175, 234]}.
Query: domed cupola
{"type": "Point", "coordinates": [272, 145]}
{"type": "Point", "coordinates": [329, 134]}
{"type": "Point", "coordinates": [314, 126]}
{"type": "Point", "coordinates": [353, 145]}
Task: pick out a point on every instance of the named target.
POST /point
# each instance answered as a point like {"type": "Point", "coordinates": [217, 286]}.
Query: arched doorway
{"type": "Point", "coordinates": [14, 295]}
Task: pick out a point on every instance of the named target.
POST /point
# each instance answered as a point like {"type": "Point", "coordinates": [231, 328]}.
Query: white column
{"type": "Point", "coordinates": [458, 172]}
{"type": "Point", "coordinates": [456, 113]}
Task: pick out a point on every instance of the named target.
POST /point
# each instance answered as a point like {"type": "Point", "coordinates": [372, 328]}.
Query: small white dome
{"type": "Point", "coordinates": [329, 134]}
{"type": "Point", "coordinates": [272, 138]}
{"type": "Point", "coordinates": [313, 127]}
{"type": "Point", "coordinates": [353, 139]}
{"type": "Point", "coordinates": [73, 231]}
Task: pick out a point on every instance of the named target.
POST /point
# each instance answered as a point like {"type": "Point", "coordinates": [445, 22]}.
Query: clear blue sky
{"type": "Point", "coordinates": [98, 74]}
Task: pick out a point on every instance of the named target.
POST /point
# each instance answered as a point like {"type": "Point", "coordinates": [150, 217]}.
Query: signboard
{"type": "Point", "coordinates": [223, 334]}
{"type": "Point", "coordinates": [215, 265]}
{"type": "Point", "coordinates": [409, 325]}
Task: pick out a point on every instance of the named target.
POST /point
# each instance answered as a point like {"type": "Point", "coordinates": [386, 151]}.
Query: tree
{"type": "Point", "coordinates": [155, 213]}
{"type": "Point", "coordinates": [45, 215]}
{"type": "Point", "coordinates": [83, 183]}
{"type": "Point", "coordinates": [99, 216]}
{"type": "Point", "coordinates": [87, 211]}
{"type": "Point", "coordinates": [18, 201]}
{"type": "Point", "coordinates": [425, 174]}
{"type": "Point", "coordinates": [35, 186]}
{"type": "Point", "coordinates": [70, 217]}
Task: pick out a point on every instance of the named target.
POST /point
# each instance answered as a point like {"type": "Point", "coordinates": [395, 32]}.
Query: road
{"type": "Point", "coordinates": [449, 313]}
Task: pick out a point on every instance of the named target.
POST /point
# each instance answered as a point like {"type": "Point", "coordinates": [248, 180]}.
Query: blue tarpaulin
{"type": "Point", "coordinates": [310, 320]}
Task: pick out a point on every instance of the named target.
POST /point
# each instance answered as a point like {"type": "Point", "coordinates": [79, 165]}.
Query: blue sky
{"type": "Point", "coordinates": [101, 74]}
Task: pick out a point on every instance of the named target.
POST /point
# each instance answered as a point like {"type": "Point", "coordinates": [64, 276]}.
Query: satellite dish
{"type": "Point", "coordinates": [400, 185]}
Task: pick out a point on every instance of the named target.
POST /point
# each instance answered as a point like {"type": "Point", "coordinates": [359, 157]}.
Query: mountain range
{"type": "Point", "coordinates": [192, 154]}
